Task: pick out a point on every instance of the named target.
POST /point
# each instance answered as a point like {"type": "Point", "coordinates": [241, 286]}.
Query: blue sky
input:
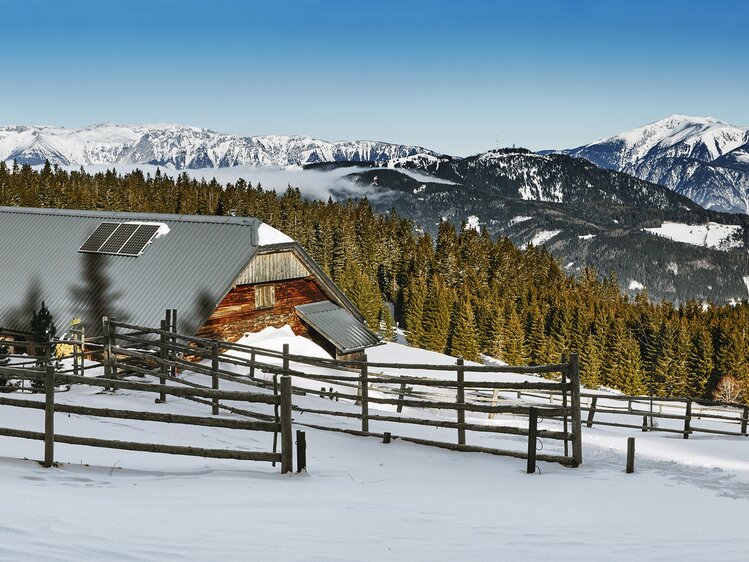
{"type": "Point", "coordinates": [460, 77]}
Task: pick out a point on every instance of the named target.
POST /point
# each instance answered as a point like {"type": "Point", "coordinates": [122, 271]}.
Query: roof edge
{"type": "Point", "coordinates": [131, 215]}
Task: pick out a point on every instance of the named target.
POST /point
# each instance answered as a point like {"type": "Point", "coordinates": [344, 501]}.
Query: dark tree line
{"type": "Point", "coordinates": [463, 293]}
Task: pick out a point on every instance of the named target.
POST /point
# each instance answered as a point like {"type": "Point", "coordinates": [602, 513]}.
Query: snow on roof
{"type": "Point", "coordinates": [267, 235]}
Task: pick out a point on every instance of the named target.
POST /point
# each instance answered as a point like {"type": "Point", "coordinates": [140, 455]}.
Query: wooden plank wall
{"type": "Point", "coordinates": [273, 267]}
{"type": "Point", "coordinates": [236, 314]}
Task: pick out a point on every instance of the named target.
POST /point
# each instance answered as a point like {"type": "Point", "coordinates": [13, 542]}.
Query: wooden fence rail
{"type": "Point", "coordinates": [162, 352]}
{"type": "Point", "coordinates": [282, 423]}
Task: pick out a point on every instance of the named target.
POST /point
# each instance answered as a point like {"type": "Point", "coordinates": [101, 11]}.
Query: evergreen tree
{"type": "Point", "coordinates": [416, 294]}
{"type": "Point", "coordinates": [437, 309]}
{"type": "Point", "coordinates": [463, 337]}
{"type": "Point", "coordinates": [514, 348]}
{"type": "Point", "coordinates": [43, 331]}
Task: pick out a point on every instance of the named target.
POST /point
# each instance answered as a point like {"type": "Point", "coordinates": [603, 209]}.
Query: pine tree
{"type": "Point", "coordinates": [700, 362]}
{"type": "Point", "coordinates": [416, 294]}
{"type": "Point", "coordinates": [463, 338]}
{"type": "Point", "coordinates": [437, 309]}
{"type": "Point", "coordinates": [514, 348]}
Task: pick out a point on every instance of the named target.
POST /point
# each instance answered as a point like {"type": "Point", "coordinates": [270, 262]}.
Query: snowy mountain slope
{"type": "Point", "coordinates": [700, 157]}
{"type": "Point", "coordinates": [599, 217]}
{"type": "Point", "coordinates": [182, 147]}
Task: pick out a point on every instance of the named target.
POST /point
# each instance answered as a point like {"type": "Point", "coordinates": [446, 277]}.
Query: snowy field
{"type": "Point", "coordinates": [710, 235]}
{"type": "Point", "coordinates": [362, 499]}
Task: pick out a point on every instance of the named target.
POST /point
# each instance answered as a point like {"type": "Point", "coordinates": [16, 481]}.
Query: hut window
{"type": "Point", "coordinates": [265, 296]}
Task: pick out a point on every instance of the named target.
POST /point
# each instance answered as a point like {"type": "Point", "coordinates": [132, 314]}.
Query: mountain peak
{"type": "Point", "coordinates": [182, 146]}
{"type": "Point", "coordinates": [683, 152]}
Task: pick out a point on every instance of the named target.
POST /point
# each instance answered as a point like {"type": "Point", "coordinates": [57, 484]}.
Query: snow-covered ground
{"type": "Point", "coordinates": [542, 237]}
{"type": "Point", "coordinates": [362, 499]}
{"type": "Point", "coordinates": [709, 235]}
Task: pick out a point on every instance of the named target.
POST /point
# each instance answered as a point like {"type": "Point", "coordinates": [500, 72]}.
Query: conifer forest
{"type": "Point", "coordinates": [464, 293]}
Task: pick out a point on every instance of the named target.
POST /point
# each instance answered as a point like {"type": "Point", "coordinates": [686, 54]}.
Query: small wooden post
{"type": "Point", "coordinates": [275, 413]}
{"type": "Point", "coordinates": [565, 426]}
{"type": "Point", "coordinates": [112, 356]}
{"type": "Point", "coordinates": [461, 400]}
{"type": "Point", "coordinates": [49, 417]}
{"type": "Point", "coordinates": [644, 423]}
{"type": "Point", "coordinates": [75, 352]}
{"type": "Point", "coordinates": [364, 395]}
{"type": "Point", "coordinates": [592, 412]}
{"type": "Point", "coordinates": [532, 436]}
{"type": "Point", "coordinates": [252, 364]}
{"type": "Point", "coordinates": [301, 451]}
{"type": "Point", "coordinates": [107, 347]}
{"type": "Point", "coordinates": [402, 393]}
{"type": "Point", "coordinates": [287, 456]}
{"type": "Point", "coordinates": [173, 343]}
{"type": "Point", "coordinates": [286, 358]}
{"type": "Point", "coordinates": [163, 354]}
{"type": "Point", "coordinates": [744, 420]}
{"type": "Point", "coordinates": [214, 375]}
{"type": "Point", "coordinates": [688, 419]}
{"type": "Point", "coordinates": [630, 455]}
{"type": "Point", "coordinates": [386, 437]}
{"type": "Point", "coordinates": [577, 430]}
{"type": "Point", "coordinates": [82, 366]}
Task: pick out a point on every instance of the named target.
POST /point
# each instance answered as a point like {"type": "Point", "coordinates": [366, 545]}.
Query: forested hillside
{"type": "Point", "coordinates": [463, 293]}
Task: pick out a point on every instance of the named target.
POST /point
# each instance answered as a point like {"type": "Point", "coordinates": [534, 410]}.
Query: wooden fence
{"type": "Point", "coordinates": [667, 415]}
{"type": "Point", "coordinates": [278, 424]}
{"type": "Point", "coordinates": [130, 349]}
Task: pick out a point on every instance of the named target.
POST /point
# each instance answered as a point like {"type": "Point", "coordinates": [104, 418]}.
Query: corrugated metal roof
{"type": "Point", "coordinates": [338, 326]}
{"type": "Point", "coordinates": [190, 268]}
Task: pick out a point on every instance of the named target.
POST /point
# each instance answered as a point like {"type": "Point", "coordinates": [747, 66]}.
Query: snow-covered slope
{"type": "Point", "coordinates": [693, 155]}
{"type": "Point", "coordinates": [182, 147]}
{"type": "Point", "coordinates": [361, 499]}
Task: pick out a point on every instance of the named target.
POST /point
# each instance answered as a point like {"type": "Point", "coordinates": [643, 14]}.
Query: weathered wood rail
{"type": "Point", "coordinates": [132, 349]}
{"type": "Point", "coordinates": [680, 413]}
{"type": "Point", "coordinates": [51, 379]}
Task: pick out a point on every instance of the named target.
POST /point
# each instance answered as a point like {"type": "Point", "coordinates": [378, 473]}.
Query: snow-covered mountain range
{"type": "Point", "coordinates": [182, 147]}
{"type": "Point", "coordinates": [700, 157]}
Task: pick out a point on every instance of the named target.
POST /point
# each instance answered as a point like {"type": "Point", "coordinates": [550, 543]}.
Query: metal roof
{"type": "Point", "coordinates": [190, 268]}
{"type": "Point", "coordinates": [338, 326]}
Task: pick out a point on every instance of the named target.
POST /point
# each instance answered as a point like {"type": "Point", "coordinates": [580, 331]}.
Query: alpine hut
{"type": "Point", "coordinates": [224, 275]}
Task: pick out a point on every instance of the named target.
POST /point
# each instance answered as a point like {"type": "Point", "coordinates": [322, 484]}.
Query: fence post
{"type": "Point", "coordinates": [75, 352]}
{"type": "Point", "coordinates": [214, 375]}
{"type": "Point", "coordinates": [49, 417]}
{"type": "Point", "coordinates": [252, 364]}
{"type": "Point", "coordinates": [401, 395]}
{"type": "Point", "coordinates": [592, 411]}
{"type": "Point", "coordinates": [461, 400]}
{"type": "Point", "coordinates": [577, 430]}
{"type": "Point", "coordinates": [565, 426]}
{"type": "Point", "coordinates": [532, 436]}
{"type": "Point", "coordinates": [275, 414]}
{"type": "Point", "coordinates": [644, 423]}
{"type": "Point", "coordinates": [163, 356]}
{"type": "Point", "coordinates": [630, 455]}
{"type": "Point", "coordinates": [173, 343]}
{"type": "Point", "coordinates": [107, 347]}
{"type": "Point", "coordinates": [301, 451]}
{"type": "Point", "coordinates": [688, 419]}
{"type": "Point", "coordinates": [112, 338]}
{"type": "Point", "coordinates": [82, 366]}
{"type": "Point", "coordinates": [287, 456]}
{"type": "Point", "coordinates": [744, 420]}
{"type": "Point", "coordinates": [364, 394]}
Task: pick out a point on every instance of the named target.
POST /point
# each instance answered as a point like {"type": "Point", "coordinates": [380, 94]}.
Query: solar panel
{"type": "Point", "coordinates": [121, 239]}
{"type": "Point", "coordinates": [118, 239]}
{"type": "Point", "coordinates": [99, 236]}
{"type": "Point", "coordinates": [139, 240]}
